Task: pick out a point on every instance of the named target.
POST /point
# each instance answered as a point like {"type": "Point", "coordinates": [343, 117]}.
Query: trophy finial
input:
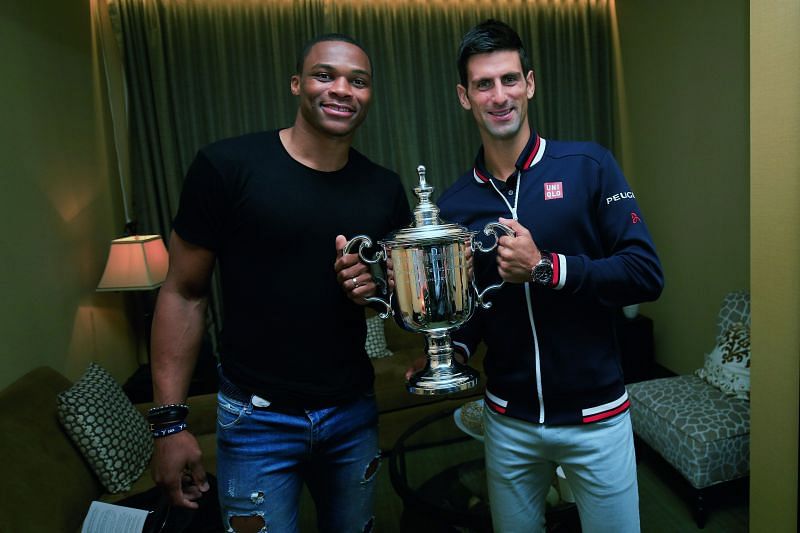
{"type": "Point", "coordinates": [426, 213]}
{"type": "Point", "coordinates": [421, 171]}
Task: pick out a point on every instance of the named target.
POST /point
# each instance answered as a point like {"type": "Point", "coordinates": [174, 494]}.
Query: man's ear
{"type": "Point", "coordinates": [294, 84]}
{"type": "Point", "coordinates": [531, 84]}
{"type": "Point", "coordinates": [463, 98]}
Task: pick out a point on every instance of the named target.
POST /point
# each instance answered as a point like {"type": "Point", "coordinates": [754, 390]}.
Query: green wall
{"type": "Point", "coordinates": [711, 147]}
{"type": "Point", "coordinates": [685, 113]}
{"type": "Point", "coordinates": [59, 200]}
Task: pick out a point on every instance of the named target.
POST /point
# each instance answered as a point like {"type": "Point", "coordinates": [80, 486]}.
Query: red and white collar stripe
{"type": "Point", "coordinates": [532, 154]}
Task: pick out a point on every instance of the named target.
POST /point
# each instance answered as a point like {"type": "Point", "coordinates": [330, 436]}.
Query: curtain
{"type": "Point", "coordinates": [202, 70]}
{"type": "Point", "coordinates": [417, 118]}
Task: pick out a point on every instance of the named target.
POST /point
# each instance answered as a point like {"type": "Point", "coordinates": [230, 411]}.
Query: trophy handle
{"type": "Point", "coordinates": [364, 243]}
{"type": "Point", "coordinates": [490, 229]}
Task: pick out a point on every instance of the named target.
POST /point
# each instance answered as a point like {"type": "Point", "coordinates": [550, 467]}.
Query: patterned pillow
{"type": "Point", "coordinates": [376, 339]}
{"type": "Point", "coordinates": [727, 367]}
{"type": "Point", "coordinates": [110, 433]}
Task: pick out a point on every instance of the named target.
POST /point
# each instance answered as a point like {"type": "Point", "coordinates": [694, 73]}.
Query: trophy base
{"type": "Point", "coordinates": [443, 380]}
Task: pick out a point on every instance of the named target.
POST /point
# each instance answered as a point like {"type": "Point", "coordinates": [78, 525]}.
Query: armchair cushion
{"type": "Point", "coordinates": [702, 432]}
{"type": "Point", "coordinates": [111, 434]}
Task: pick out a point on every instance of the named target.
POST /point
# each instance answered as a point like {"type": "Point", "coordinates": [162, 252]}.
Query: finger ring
{"type": "Point", "coordinates": [356, 284]}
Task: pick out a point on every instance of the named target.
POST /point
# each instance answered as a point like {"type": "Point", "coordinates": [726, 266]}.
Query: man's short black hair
{"type": "Point", "coordinates": [340, 37]}
{"type": "Point", "coordinates": [490, 36]}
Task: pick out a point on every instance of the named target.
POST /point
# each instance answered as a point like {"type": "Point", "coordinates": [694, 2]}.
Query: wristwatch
{"type": "Point", "coordinates": [542, 272]}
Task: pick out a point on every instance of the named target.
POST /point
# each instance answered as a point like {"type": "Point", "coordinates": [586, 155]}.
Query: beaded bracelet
{"type": "Point", "coordinates": [169, 430]}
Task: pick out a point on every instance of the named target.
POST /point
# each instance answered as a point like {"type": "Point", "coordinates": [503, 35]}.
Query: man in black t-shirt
{"type": "Point", "coordinates": [295, 402]}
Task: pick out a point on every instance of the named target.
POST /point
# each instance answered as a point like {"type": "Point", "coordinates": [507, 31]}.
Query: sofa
{"type": "Point", "coordinates": [50, 485]}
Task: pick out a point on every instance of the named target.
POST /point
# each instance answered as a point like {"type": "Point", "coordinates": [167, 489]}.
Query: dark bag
{"type": "Point", "coordinates": [164, 518]}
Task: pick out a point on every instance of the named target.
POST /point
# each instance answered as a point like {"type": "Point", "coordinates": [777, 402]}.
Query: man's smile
{"type": "Point", "coordinates": [504, 113]}
{"type": "Point", "coordinates": [338, 109]}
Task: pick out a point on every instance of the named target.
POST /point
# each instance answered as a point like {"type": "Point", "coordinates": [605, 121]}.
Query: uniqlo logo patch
{"type": "Point", "coordinates": [553, 190]}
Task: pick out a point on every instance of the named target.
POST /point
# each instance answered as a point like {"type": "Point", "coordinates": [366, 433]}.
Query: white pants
{"type": "Point", "coordinates": [598, 460]}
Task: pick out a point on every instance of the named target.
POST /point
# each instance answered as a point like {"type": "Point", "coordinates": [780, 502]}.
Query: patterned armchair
{"type": "Point", "coordinates": [700, 423]}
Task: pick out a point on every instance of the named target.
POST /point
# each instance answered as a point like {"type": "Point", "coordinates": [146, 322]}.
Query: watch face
{"type": "Point", "coordinates": [543, 274]}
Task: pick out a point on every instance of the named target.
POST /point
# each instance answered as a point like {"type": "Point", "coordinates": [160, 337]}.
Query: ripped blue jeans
{"type": "Point", "coordinates": [264, 455]}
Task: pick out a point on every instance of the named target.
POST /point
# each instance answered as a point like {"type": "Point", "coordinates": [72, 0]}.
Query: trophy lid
{"type": "Point", "coordinates": [427, 227]}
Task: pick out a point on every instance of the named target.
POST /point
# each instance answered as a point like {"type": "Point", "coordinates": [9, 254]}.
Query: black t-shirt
{"type": "Point", "coordinates": [290, 334]}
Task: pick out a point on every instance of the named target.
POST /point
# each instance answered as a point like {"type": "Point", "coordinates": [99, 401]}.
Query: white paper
{"type": "Point", "coordinates": [107, 518]}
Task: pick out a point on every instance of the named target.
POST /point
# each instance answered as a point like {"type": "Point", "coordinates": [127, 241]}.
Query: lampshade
{"type": "Point", "coordinates": [135, 263]}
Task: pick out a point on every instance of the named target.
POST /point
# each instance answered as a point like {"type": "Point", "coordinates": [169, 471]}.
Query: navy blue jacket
{"type": "Point", "coordinates": [552, 353]}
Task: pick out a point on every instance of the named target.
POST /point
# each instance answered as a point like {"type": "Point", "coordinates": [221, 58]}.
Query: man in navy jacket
{"type": "Point", "coordinates": [555, 393]}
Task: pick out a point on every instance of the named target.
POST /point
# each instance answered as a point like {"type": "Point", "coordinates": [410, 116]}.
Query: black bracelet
{"type": "Point", "coordinates": [162, 425]}
{"type": "Point", "coordinates": [169, 430]}
{"type": "Point", "coordinates": [167, 413]}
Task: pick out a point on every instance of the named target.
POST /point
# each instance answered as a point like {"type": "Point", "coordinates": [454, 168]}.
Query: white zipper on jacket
{"type": "Point", "coordinates": [536, 351]}
{"type": "Point", "coordinates": [516, 196]}
{"type": "Point", "coordinates": [528, 300]}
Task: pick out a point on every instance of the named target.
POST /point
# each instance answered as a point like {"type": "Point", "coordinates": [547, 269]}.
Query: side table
{"type": "Point", "coordinates": [438, 473]}
{"type": "Point", "coordinates": [635, 339]}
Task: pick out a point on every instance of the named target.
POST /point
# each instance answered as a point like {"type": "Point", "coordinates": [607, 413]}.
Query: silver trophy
{"type": "Point", "coordinates": [433, 287]}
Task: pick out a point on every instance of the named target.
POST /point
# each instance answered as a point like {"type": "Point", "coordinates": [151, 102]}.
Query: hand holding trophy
{"type": "Point", "coordinates": [434, 287]}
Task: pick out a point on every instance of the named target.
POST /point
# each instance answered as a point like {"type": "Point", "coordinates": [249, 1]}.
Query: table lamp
{"type": "Point", "coordinates": [135, 263]}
